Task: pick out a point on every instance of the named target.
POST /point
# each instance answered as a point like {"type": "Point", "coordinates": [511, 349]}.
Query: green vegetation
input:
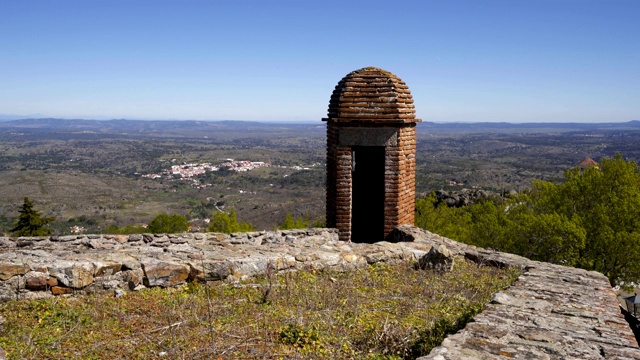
{"type": "Point", "coordinates": [30, 222]}
{"type": "Point", "coordinates": [379, 312]}
{"type": "Point", "coordinates": [227, 223]}
{"type": "Point", "coordinates": [302, 222]}
{"type": "Point", "coordinates": [95, 169]}
{"type": "Point", "coordinates": [591, 221]}
{"type": "Point", "coordinates": [168, 224]}
{"type": "Point", "coordinates": [125, 230]}
{"type": "Point", "coordinates": [161, 224]}
{"type": "Point", "coordinates": [200, 209]}
{"type": "Point", "coordinates": [100, 176]}
{"type": "Point", "coordinates": [5, 224]}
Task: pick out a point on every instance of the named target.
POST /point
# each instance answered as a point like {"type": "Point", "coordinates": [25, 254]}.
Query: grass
{"type": "Point", "coordinates": [381, 312]}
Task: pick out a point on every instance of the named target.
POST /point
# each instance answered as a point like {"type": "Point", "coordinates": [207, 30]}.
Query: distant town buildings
{"type": "Point", "coordinates": [456, 183]}
{"type": "Point", "coordinates": [77, 229]}
{"type": "Point", "coordinates": [243, 165]}
{"type": "Point", "coordinates": [183, 171]}
{"type": "Point", "coordinates": [187, 171]}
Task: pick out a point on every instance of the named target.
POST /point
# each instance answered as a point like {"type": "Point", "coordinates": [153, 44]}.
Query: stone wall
{"type": "Point", "coordinates": [551, 312]}
{"type": "Point", "coordinates": [38, 267]}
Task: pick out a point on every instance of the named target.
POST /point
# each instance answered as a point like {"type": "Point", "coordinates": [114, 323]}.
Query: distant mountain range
{"type": "Point", "coordinates": [535, 126]}
{"type": "Point", "coordinates": [7, 117]}
{"type": "Point", "coordinates": [165, 127]}
{"type": "Point", "coordinates": [121, 124]}
{"type": "Point", "coordinates": [157, 128]}
{"type": "Point", "coordinates": [52, 123]}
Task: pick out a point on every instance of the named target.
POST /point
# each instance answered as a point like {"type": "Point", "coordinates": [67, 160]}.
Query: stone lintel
{"type": "Point", "coordinates": [357, 136]}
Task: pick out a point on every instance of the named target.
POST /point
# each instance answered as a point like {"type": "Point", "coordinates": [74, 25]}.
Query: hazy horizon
{"type": "Point", "coordinates": [4, 117]}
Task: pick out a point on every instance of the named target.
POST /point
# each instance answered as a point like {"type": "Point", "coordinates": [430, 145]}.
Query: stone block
{"type": "Point", "coordinates": [73, 274]}
{"type": "Point", "coordinates": [135, 238]}
{"type": "Point", "coordinates": [163, 273]}
{"type": "Point", "coordinates": [439, 258]}
{"type": "Point", "coordinates": [59, 290]}
{"type": "Point", "coordinates": [9, 270]}
{"type": "Point", "coordinates": [37, 281]}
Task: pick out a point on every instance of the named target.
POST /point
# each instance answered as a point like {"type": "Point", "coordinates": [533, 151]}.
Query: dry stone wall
{"type": "Point", "coordinates": [37, 267]}
{"type": "Point", "coordinates": [551, 312]}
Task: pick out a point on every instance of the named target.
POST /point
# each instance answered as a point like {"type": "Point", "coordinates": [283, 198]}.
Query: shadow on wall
{"type": "Point", "coordinates": [634, 323]}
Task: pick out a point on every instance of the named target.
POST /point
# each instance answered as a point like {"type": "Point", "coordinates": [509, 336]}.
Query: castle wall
{"type": "Point", "coordinates": [550, 312]}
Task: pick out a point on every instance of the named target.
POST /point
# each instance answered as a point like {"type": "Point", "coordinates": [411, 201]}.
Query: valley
{"type": "Point", "coordinates": [90, 173]}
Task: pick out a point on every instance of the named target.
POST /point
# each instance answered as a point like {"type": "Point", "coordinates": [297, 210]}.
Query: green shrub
{"type": "Point", "coordinates": [125, 230]}
{"type": "Point", "coordinates": [303, 222]}
{"type": "Point", "coordinates": [228, 223]}
{"type": "Point", "coordinates": [168, 224]}
{"type": "Point", "coordinates": [591, 221]}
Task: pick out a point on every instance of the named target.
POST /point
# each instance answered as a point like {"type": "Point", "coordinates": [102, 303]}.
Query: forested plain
{"type": "Point", "coordinates": [89, 174]}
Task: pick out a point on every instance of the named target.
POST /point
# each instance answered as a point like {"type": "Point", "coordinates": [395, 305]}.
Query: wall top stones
{"type": "Point", "coordinates": [551, 312]}
{"type": "Point", "coordinates": [372, 95]}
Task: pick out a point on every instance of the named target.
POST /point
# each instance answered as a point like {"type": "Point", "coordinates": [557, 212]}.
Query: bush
{"type": "Point", "coordinates": [227, 223]}
{"type": "Point", "coordinates": [303, 222]}
{"type": "Point", "coordinates": [168, 224]}
{"type": "Point", "coordinates": [591, 221]}
{"type": "Point", "coordinates": [126, 230]}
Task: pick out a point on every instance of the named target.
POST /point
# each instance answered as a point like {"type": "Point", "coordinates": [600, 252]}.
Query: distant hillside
{"type": "Point", "coordinates": [475, 127]}
{"type": "Point", "coordinates": [203, 128]}
{"type": "Point", "coordinates": [122, 124]}
{"type": "Point", "coordinates": [164, 125]}
{"type": "Point", "coordinates": [153, 128]}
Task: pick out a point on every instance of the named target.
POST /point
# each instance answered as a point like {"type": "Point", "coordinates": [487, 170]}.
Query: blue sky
{"type": "Point", "coordinates": [494, 60]}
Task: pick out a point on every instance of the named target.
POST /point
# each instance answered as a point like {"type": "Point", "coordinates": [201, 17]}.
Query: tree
{"type": "Point", "coordinates": [200, 209]}
{"type": "Point", "coordinates": [227, 223]}
{"type": "Point", "coordinates": [550, 237]}
{"type": "Point", "coordinates": [490, 225]}
{"type": "Point", "coordinates": [607, 200]}
{"type": "Point", "coordinates": [167, 224]}
{"type": "Point", "coordinates": [291, 223]}
{"type": "Point", "coordinates": [591, 221]}
{"type": "Point", "coordinates": [454, 223]}
{"type": "Point", "coordinates": [302, 222]}
{"type": "Point", "coordinates": [30, 222]}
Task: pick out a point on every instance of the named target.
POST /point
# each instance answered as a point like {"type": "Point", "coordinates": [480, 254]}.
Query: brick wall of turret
{"type": "Point", "coordinates": [400, 167]}
{"type": "Point", "coordinates": [400, 184]}
{"type": "Point", "coordinates": [372, 98]}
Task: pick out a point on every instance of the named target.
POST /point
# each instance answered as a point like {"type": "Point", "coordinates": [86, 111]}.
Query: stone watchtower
{"type": "Point", "coordinates": [371, 148]}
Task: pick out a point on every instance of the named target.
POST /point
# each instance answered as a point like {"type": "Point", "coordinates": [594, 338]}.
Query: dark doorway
{"type": "Point", "coordinates": [367, 207]}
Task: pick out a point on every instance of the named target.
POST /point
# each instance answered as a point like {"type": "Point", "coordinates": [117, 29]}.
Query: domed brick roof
{"type": "Point", "coordinates": [372, 95]}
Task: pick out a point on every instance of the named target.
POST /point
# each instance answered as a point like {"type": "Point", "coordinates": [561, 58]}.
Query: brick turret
{"type": "Point", "coordinates": [371, 147]}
